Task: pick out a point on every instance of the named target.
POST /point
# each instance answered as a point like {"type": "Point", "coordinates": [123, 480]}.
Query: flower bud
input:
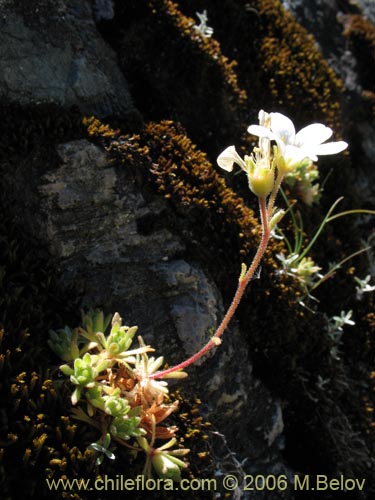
{"type": "Point", "coordinates": [166, 466]}
{"type": "Point", "coordinates": [276, 218]}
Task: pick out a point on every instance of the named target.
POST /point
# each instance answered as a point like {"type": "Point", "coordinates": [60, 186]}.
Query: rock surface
{"type": "Point", "coordinates": [51, 51]}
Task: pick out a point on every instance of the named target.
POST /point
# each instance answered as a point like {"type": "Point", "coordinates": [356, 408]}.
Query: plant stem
{"type": "Point", "coordinates": [337, 266]}
{"type": "Point", "coordinates": [298, 232]}
{"type": "Point", "coordinates": [320, 229]}
{"type": "Point", "coordinates": [243, 282]}
{"type": "Point", "coordinates": [350, 212]}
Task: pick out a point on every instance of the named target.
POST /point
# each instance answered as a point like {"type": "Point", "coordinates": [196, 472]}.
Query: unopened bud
{"type": "Point", "coordinates": [276, 218]}
{"type": "Point", "coordinates": [243, 271]}
{"type": "Point", "coordinates": [116, 320]}
{"type": "Point", "coordinates": [167, 467]}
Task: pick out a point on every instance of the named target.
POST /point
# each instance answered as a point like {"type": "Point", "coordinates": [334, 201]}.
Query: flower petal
{"type": "Point", "coordinates": [283, 128]}
{"type": "Point", "coordinates": [260, 131]}
{"type": "Point", "coordinates": [295, 154]}
{"type": "Point", "coordinates": [331, 148]}
{"type": "Point", "coordinates": [316, 133]}
{"type": "Point", "coordinates": [229, 156]}
{"type": "Point", "coordinates": [225, 159]}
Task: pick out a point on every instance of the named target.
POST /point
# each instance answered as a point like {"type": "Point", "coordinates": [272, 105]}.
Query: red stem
{"type": "Point", "coordinates": [236, 299]}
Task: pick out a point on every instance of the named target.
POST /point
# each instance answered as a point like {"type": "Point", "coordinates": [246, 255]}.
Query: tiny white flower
{"type": "Point", "coordinates": [322, 382]}
{"type": "Point", "coordinates": [363, 286]}
{"type": "Point", "coordinates": [202, 28]}
{"type": "Point", "coordinates": [287, 260]}
{"type": "Point", "coordinates": [343, 319]}
{"type": "Point", "coordinates": [294, 148]}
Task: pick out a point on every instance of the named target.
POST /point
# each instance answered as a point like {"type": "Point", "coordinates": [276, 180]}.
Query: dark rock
{"type": "Point", "coordinates": [103, 10]}
{"type": "Point", "coordinates": [193, 303]}
{"type": "Point", "coordinates": [51, 51]}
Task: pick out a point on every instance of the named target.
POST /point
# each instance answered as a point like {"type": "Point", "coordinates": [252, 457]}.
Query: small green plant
{"type": "Point", "coordinates": [113, 392]}
{"type": "Point", "coordinates": [298, 263]}
{"type": "Point", "coordinates": [119, 390]}
{"type": "Point", "coordinates": [102, 447]}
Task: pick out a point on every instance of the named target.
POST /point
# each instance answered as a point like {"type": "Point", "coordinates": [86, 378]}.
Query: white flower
{"type": "Point", "coordinates": [287, 261]}
{"type": "Point", "coordinates": [202, 28]}
{"type": "Point", "coordinates": [259, 170]}
{"type": "Point", "coordinates": [294, 148]}
{"type": "Point", "coordinates": [344, 319]}
{"type": "Point", "coordinates": [363, 286]}
{"type": "Point", "coordinates": [258, 166]}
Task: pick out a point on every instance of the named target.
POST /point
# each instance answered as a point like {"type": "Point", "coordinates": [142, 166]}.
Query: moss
{"type": "Point", "coordinates": [33, 434]}
{"type": "Point", "coordinates": [279, 63]}
{"type": "Point", "coordinates": [123, 149]}
{"type": "Point", "coordinates": [38, 437]}
{"type": "Point", "coordinates": [184, 176]}
{"type": "Point", "coordinates": [296, 71]}
{"type": "Point", "coordinates": [174, 73]}
{"type": "Point", "coordinates": [27, 129]}
{"type": "Point", "coordinates": [208, 46]}
{"type": "Point", "coordinates": [360, 33]}
{"type": "Point", "coordinates": [195, 432]}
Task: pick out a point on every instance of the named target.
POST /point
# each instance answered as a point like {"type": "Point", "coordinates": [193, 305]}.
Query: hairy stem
{"type": "Point", "coordinates": [243, 282]}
